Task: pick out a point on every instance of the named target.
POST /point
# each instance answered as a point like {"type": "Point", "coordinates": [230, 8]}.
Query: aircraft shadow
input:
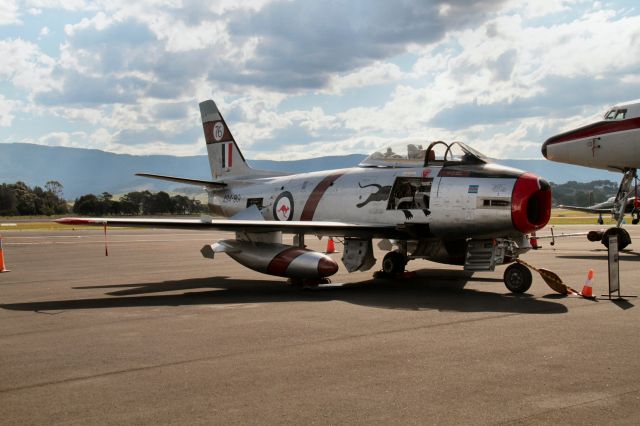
{"type": "Point", "coordinates": [441, 290]}
{"type": "Point", "coordinates": [625, 256]}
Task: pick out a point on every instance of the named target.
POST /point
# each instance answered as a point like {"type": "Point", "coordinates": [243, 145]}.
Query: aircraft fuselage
{"type": "Point", "coordinates": [450, 201]}
{"type": "Point", "coordinates": [607, 144]}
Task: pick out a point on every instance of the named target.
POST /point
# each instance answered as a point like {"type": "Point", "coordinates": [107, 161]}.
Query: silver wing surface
{"type": "Point", "coordinates": [333, 229]}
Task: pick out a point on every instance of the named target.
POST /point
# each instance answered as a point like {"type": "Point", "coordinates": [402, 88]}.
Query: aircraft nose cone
{"type": "Point", "coordinates": [327, 267]}
{"type": "Point", "coordinates": [544, 148]}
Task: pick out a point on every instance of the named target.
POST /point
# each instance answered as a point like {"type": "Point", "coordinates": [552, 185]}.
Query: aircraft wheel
{"type": "Point", "coordinates": [393, 263]}
{"type": "Point", "coordinates": [624, 239]}
{"type": "Point", "coordinates": [517, 278]}
{"type": "Point", "coordinates": [635, 216]}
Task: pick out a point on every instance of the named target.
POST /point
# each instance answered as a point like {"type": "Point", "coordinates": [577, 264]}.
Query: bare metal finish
{"type": "Point", "coordinates": [426, 201]}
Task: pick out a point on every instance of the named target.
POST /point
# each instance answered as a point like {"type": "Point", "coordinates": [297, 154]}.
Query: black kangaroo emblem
{"type": "Point", "coordinates": [380, 195]}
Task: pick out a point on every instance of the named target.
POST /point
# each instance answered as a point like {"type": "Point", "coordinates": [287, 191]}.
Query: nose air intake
{"type": "Point", "coordinates": [531, 203]}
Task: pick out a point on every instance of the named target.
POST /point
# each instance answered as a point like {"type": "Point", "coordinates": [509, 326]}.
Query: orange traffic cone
{"type": "Point", "coordinates": [587, 289]}
{"type": "Point", "coordinates": [331, 248]}
{"type": "Point", "coordinates": [534, 241]}
{"type": "Point", "coordinates": [2, 265]}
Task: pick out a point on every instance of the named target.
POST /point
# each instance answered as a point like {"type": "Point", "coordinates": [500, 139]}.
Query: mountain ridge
{"type": "Point", "coordinates": [82, 171]}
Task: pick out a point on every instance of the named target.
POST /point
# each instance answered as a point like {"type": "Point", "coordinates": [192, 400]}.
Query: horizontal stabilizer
{"type": "Point", "coordinates": [205, 183]}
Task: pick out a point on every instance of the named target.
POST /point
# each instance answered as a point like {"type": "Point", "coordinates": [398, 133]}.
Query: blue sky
{"type": "Point", "coordinates": [296, 79]}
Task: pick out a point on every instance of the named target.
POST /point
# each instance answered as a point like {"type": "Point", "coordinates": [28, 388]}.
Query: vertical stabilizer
{"type": "Point", "coordinates": [225, 158]}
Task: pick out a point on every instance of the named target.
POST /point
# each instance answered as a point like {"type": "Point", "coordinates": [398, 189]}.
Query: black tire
{"type": "Point", "coordinates": [393, 263]}
{"type": "Point", "coordinates": [624, 239]}
{"type": "Point", "coordinates": [517, 278]}
{"type": "Point", "coordinates": [594, 236]}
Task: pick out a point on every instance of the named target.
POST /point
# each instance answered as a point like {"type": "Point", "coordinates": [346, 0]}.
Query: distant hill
{"type": "Point", "coordinates": [83, 171]}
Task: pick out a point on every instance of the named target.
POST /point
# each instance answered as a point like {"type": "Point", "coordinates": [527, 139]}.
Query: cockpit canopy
{"type": "Point", "coordinates": [401, 155]}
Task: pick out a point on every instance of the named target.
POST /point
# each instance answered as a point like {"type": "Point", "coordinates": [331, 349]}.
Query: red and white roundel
{"type": "Point", "coordinates": [283, 207]}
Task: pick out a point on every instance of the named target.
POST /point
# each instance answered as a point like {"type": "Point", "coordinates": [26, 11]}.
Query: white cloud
{"type": "Point", "coordinates": [500, 75]}
{"type": "Point", "coordinates": [6, 112]}
{"type": "Point", "coordinates": [26, 66]}
{"type": "Point", "coordinates": [99, 22]}
{"type": "Point", "coordinates": [9, 12]}
{"type": "Point", "coordinates": [57, 4]}
{"type": "Point", "coordinates": [375, 74]}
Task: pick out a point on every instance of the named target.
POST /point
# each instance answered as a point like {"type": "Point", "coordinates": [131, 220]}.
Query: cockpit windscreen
{"type": "Point", "coordinates": [418, 155]}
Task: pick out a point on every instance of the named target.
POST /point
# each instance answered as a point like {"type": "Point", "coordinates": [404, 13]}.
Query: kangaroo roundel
{"type": "Point", "coordinates": [283, 207]}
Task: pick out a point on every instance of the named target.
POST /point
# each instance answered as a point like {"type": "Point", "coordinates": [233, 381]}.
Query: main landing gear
{"type": "Point", "coordinates": [517, 278]}
{"type": "Point", "coordinates": [619, 208]}
{"type": "Point", "coordinates": [393, 263]}
{"type": "Point", "coordinates": [624, 239]}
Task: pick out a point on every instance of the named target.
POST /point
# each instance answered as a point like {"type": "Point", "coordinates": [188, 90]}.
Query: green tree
{"type": "Point", "coordinates": [8, 201]}
{"type": "Point", "coordinates": [157, 204]}
{"type": "Point", "coordinates": [137, 199]}
{"type": "Point", "coordinates": [88, 204]}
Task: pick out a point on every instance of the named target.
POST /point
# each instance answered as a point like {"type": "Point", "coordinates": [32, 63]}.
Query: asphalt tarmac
{"type": "Point", "coordinates": [156, 334]}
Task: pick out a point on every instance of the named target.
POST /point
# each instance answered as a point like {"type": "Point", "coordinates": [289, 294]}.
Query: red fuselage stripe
{"type": "Point", "coordinates": [279, 264]}
{"type": "Point", "coordinates": [595, 129]}
{"type": "Point", "coordinates": [316, 195]}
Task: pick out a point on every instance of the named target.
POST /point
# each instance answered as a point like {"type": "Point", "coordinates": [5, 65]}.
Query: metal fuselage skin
{"type": "Point", "coordinates": [469, 201]}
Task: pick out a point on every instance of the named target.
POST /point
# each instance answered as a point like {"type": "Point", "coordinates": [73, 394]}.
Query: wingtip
{"type": "Point", "coordinates": [75, 221]}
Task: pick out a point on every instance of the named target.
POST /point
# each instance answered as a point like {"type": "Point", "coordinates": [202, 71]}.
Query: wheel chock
{"type": "Point", "coordinates": [555, 282]}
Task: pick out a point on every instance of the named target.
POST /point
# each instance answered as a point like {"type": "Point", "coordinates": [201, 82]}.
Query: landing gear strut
{"type": "Point", "coordinates": [619, 208]}
{"type": "Point", "coordinates": [624, 190]}
{"type": "Point", "coordinates": [517, 278]}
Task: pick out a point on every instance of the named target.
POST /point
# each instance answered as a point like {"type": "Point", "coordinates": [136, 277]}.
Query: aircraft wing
{"type": "Point", "coordinates": [333, 229]}
{"type": "Point", "coordinates": [585, 209]}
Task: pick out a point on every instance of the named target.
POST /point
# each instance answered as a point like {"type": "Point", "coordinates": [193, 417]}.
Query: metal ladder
{"type": "Point", "coordinates": [483, 255]}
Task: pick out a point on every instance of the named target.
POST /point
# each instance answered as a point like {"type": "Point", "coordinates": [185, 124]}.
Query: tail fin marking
{"type": "Point", "coordinates": [216, 132]}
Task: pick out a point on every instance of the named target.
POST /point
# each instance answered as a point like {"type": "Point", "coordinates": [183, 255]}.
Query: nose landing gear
{"type": "Point", "coordinates": [517, 278]}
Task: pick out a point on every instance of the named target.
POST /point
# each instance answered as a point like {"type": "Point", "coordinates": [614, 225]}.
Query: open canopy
{"type": "Point", "coordinates": [415, 155]}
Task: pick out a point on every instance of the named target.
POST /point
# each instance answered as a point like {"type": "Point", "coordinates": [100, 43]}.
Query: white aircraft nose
{"type": "Point", "coordinates": [544, 148]}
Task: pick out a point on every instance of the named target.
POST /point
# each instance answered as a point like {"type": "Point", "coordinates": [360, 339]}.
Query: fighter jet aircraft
{"type": "Point", "coordinates": [612, 143]}
{"type": "Point", "coordinates": [605, 207]}
{"type": "Point", "coordinates": [444, 202]}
